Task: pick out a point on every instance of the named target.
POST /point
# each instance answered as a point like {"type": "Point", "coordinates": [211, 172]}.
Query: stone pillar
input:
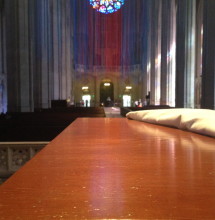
{"type": "Point", "coordinates": [17, 46]}
{"type": "Point", "coordinates": [171, 57]}
{"type": "Point", "coordinates": [69, 49]}
{"type": "Point", "coordinates": [3, 76]}
{"type": "Point", "coordinates": [56, 50]}
{"type": "Point", "coordinates": [67, 52]}
{"type": "Point", "coordinates": [11, 55]}
{"type": "Point", "coordinates": [155, 56]}
{"type": "Point", "coordinates": [208, 68]}
{"type": "Point", "coordinates": [164, 49]}
{"type": "Point", "coordinates": [39, 48]}
{"type": "Point", "coordinates": [62, 33]}
{"type": "Point", "coordinates": [158, 54]}
{"type": "Point", "coordinates": [44, 49]}
{"type": "Point", "coordinates": [153, 21]}
{"type": "Point", "coordinates": [25, 74]}
{"type": "Point", "coordinates": [199, 45]}
{"type": "Point", "coordinates": [146, 61]}
{"type": "Point", "coordinates": [185, 53]}
{"type": "Point", "coordinates": [168, 53]}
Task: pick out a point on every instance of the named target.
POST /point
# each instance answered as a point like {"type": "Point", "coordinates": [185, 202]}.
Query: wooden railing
{"type": "Point", "coordinates": [114, 168]}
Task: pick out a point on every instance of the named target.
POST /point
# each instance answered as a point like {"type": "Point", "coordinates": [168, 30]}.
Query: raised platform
{"type": "Point", "coordinates": [114, 168]}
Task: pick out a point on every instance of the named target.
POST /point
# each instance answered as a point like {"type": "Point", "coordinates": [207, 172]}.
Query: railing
{"type": "Point", "coordinates": [14, 155]}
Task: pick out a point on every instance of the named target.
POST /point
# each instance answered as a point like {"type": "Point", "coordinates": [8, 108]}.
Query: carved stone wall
{"type": "Point", "coordinates": [13, 155]}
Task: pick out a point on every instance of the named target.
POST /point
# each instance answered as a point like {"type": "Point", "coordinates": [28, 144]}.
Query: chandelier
{"type": "Point", "coordinates": [106, 6]}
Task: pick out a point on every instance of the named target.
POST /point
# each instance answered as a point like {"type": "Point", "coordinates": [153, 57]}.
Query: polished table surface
{"type": "Point", "coordinates": [114, 168]}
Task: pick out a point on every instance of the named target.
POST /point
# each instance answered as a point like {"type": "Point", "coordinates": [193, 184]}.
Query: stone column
{"type": "Point", "coordinates": [171, 57]}
{"type": "Point", "coordinates": [146, 28]}
{"type": "Point", "coordinates": [153, 21]}
{"type": "Point", "coordinates": [66, 50]}
{"type": "Point", "coordinates": [155, 55]}
{"type": "Point", "coordinates": [208, 68]}
{"type": "Point", "coordinates": [64, 45]}
{"type": "Point", "coordinates": [69, 49]}
{"type": "Point", "coordinates": [26, 92]}
{"type": "Point", "coordinates": [11, 55]}
{"type": "Point", "coordinates": [199, 44]}
{"type": "Point", "coordinates": [62, 35]}
{"type": "Point", "coordinates": [164, 49]}
{"type": "Point", "coordinates": [185, 53]}
{"type": "Point", "coordinates": [3, 70]}
{"type": "Point", "coordinates": [168, 53]}
{"type": "Point", "coordinates": [44, 49]}
{"type": "Point", "coordinates": [158, 54]}
{"type": "Point", "coordinates": [56, 50]}
{"type": "Point", "coordinates": [17, 47]}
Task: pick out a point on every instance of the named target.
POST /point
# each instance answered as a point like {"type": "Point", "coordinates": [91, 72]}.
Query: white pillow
{"type": "Point", "coordinates": [197, 120]}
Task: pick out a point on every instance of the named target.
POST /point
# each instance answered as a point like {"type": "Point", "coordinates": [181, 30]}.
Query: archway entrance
{"type": "Point", "coordinates": [86, 100]}
{"type": "Point", "coordinates": [106, 93]}
{"type": "Point", "coordinates": [126, 101]}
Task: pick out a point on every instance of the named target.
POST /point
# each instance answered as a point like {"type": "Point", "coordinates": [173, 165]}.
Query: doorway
{"type": "Point", "coordinates": [126, 101]}
{"type": "Point", "coordinates": [86, 100]}
{"type": "Point", "coordinates": [106, 94]}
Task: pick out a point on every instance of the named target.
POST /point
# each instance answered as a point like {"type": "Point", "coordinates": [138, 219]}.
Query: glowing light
{"type": "Point", "coordinates": [106, 6]}
{"type": "Point", "coordinates": [85, 87]}
{"type": "Point", "coordinates": [128, 87]}
{"type": "Point", "coordinates": [126, 101]}
{"type": "Point", "coordinates": [106, 84]}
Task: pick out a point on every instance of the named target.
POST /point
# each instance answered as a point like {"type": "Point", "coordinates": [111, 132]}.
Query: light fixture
{"type": "Point", "coordinates": [85, 87]}
{"type": "Point", "coordinates": [106, 84]}
{"type": "Point", "coordinates": [128, 87]}
{"type": "Point", "coordinates": [107, 6]}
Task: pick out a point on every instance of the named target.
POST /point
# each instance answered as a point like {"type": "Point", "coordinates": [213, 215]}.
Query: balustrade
{"type": "Point", "coordinates": [13, 155]}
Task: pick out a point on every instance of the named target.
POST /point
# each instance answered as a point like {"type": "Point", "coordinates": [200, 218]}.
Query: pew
{"type": "Point", "coordinates": [43, 125]}
{"type": "Point", "coordinates": [115, 168]}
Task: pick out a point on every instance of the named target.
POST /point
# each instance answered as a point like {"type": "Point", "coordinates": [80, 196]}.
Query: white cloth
{"type": "Point", "coordinates": [201, 121]}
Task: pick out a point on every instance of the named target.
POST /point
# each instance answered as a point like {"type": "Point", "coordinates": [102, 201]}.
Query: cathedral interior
{"type": "Point", "coordinates": [72, 75]}
{"type": "Point", "coordinates": [66, 50]}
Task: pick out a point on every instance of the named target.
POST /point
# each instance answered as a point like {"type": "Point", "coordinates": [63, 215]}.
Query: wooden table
{"type": "Point", "coordinates": [114, 168]}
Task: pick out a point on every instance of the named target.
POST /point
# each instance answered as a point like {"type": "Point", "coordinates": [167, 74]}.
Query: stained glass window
{"type": "Point", "coordinates": [106, 6]}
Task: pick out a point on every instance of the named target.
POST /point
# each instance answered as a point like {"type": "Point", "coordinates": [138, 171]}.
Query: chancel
{"type": "Point", "coordinates": [107, 109]}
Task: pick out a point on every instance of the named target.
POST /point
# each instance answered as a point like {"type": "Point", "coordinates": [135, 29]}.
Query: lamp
{"type": "Point", "coordinates": [106, 84]}
{"type": "Point", "coordinates": [128, 87]}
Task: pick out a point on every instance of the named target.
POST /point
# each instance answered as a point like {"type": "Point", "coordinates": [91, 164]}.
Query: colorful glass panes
{"type": "Point", "coordinates": [106, 6]}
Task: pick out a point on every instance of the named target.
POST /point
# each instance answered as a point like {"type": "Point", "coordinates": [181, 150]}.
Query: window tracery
{"type": "Point", "coordinates": [106, 6]}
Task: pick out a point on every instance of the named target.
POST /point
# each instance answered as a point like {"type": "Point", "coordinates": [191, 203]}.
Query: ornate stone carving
{"type": "Point", "coordinates": [14, 155]}
{"type": "Point", "coordinates": [20, 157]}
{"type": "Point", "coordinates": [3, 158]}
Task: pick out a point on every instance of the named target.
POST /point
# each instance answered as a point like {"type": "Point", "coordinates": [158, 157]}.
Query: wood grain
{"type": "Point", "coordinates": [114, 168]}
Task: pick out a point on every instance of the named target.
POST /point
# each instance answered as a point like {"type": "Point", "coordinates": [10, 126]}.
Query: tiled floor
{"type": "Point", "coordinates": [112, 112]}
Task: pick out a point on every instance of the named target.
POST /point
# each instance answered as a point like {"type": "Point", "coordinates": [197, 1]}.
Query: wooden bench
{"type": "Point", "coordinates": [44, 125]}
{"type": "Point", "coordinates": [115, 168]}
